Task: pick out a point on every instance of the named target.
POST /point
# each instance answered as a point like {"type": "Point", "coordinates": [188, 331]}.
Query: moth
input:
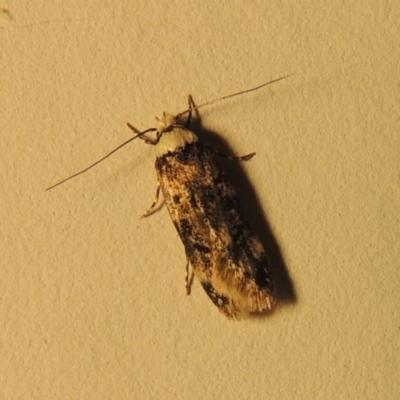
{"type": "Point", "coordinates": [224, 254]}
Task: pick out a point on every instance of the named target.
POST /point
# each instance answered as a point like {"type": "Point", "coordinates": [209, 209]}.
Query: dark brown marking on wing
{"type": "Point", "coordinates": [211, 223]}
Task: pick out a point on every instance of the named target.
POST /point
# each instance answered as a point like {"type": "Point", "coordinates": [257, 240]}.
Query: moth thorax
{"type": "Point", "coordinates": [166, 121]}
{"type": "Point", "coordinates": [174, 140]}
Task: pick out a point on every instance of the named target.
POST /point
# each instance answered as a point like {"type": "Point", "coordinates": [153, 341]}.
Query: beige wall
{"type": "Point", "coordinates": [92, 302]}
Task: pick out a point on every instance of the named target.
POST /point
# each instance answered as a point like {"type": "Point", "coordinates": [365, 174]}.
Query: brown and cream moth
{"type": "Point", "coordinates": [225, 255]}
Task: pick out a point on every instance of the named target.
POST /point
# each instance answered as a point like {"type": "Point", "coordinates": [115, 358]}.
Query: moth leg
{"type": "Point", "coordinates": [234, 158]}
{"type": "Point", "coordinates": [151, 209]}
{"type": "Point", "coordinates": [145, 138]}
{"type": "Point", "coordinates": [192, 106]}
{"type": "Point", "coordinates": [188, 280]}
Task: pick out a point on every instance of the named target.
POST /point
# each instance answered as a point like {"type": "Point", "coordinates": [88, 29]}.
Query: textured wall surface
{"type": "Point", "coordinates": [92, 300]}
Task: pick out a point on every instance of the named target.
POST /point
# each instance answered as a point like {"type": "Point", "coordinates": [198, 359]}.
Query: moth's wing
{"type": "Point", "coordinates": [225, 303]}
{"type": "Point", "coordinates": [243, 274]}
{"type": "Point", "coordinates": [239, 265]}
{"type": "Point", "coordinates": [226, 256]}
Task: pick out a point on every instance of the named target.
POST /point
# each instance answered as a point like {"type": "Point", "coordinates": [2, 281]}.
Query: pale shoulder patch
{"type": "Point", "coordinates": [174, 139]}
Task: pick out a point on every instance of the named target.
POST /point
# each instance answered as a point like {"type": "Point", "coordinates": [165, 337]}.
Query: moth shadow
{"type": "Point", "coordinates": [252, 209]}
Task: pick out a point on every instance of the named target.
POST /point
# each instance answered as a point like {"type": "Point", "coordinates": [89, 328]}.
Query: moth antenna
{"type": "Point", "coordinates": [102, 159]}
{"type": "Point", "coordinates": [232, 95]}
{"type": "Point", "coordinates": [177, 116]}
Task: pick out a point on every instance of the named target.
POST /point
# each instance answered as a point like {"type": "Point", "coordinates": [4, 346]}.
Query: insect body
{"type": "Point", "coordinates": [224, 253]}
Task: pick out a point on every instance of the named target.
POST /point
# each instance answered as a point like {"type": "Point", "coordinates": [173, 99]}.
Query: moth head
{"type": "Point", "coordinates": [165, 122]}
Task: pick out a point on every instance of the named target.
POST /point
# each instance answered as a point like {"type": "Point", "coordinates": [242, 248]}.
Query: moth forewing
{"type": "Point", "coordinates": [224, 253]}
